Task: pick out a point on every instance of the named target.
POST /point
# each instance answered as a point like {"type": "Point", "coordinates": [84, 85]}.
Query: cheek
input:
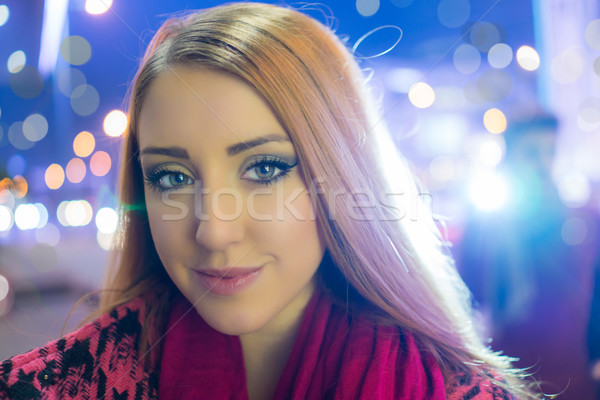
{"type": "Point", "coordinates": [170, 226]}
{"type": "Point", "coordinates": [291, 232]}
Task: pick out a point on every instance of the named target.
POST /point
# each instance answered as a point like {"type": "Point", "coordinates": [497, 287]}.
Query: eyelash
{"type": "Point", "coordinates": [276, 162]}
{"type": "Point", "coordinates": [154, 177]}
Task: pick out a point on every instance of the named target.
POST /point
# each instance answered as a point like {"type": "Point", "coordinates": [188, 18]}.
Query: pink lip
{"type": "Point", "coordinates": [227, 281]}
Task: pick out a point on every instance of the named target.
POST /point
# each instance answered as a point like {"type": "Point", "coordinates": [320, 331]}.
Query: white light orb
{"type": "Point", "coordinates": [107, 220]}
{"type": "Point", "coordinates": [4, 14]}
{"type": "Point", "coordinates": [27, 216]}
{"type": "Point", "coordinates": [115, 123]}
{"type": "Point", "coordinates": [6, 218]}
{"type": "Point", "coordinates": [574, 190]}
{"type": "Point", "coordinates": [421, 95]}
{"type": "Point", "coordinates": [489, 190]}
{"type": "Point", "coordinates": [528, 58]}
{"type": "Point", "coordinates": [78, 213]}
{"type": "Point", "coordinates": [43, 211]}
{"type": "Point", "coordinates": [97, 7]}
{"type": "Point", "coordinates": [16, 61]}
{"type": "Point", "coordinates": [500, 55]}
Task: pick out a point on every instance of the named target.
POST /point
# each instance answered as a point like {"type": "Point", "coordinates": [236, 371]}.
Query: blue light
{"type": "Point", "coordinates": [16, 165]}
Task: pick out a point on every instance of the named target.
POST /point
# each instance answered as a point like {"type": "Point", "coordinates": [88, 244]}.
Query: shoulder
{"type": "Point", "coordinates": [415, 370]}
{"type": "Point", "coordinates": [463, 386]}
{"type": "Point", "coordinates": [87, 363]}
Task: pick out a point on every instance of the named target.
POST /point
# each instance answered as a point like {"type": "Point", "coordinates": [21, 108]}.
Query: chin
{"type": "Point", "coordinates": [232, 323]}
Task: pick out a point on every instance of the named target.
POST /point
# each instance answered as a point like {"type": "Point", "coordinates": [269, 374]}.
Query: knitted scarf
{"type": "Point", "coordinates": [333, 357]}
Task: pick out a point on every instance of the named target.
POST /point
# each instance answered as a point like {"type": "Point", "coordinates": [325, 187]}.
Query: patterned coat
{"type": "Point", "coordinates": [98, 361]}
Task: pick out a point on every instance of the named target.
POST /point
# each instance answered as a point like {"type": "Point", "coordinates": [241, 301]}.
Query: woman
{"type": "Point", "coordinates": [269, 242]}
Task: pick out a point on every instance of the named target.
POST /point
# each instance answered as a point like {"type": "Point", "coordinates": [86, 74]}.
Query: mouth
{"type": "Point", "coordinates": [228, 273]}
{"type": "Point", "coordinates": [227, 281]}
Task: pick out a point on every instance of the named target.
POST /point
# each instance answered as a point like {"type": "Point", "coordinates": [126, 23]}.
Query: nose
{"type": "Point", "coordinates": [220, 217]}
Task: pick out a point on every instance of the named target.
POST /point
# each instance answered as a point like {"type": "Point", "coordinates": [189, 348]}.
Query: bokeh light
{"type": "Point", "coordinates": [7, 198]}
{"type": "Point", "coordinates": [4, 288]}
{"type": "Point", "coordinates": [27, 216]}
{"type": "Point", "coordinates": [70, 78]}
{"type": "Point", "coordinates": [35, 127]}
{"type": "Point", "coordinates": [568, 66]}
{"type": "Point", "coordinates": [597, 66]}
{"type": "Point", "coordinates": [494, 85]}
{"type": "Point", "coordinates": [16, 165]}
{"type": "Point", "coordinates": [588, 116]}
{"type": "Point", "coordinates": [105, 240]}
{"type": "Point", "coordinates": [443, 169]}
{"type": "Point", "coordinates": [453, 13]}
{"type": "Point", "coordinates": [20, 187]}
{"type": "Point", "coordinates": [107, 220]}
{"type": "Point", "coordinates": [500, 55]}
{"type": "Point", "coordinates": [61, 213]}
{"type": "Point", "coordinates": [75, 170]}
{"type": "Point", "coordinates": [27, 83]}
{"type": "Point", "coordinates": [49, 234]}
{"type": "Point", "coordinates": [421, 95]}
{"type": "Point", "coordinates": [84, 144]}
{"type": "Point", "coordinates": [494, 121]}
{"type": "Point", "coordinates": [78, 213]}
{"type": "Point", "coordinates": [54, 176]}
{"type": "Point", "coordinates": [85, 100]}
{"type": "Point", "coordinates": [6, 218]}
{"type": "Point", "coordinates": [528, 58]}
{"type": "Point", "coordinates": [17, 138]}
{"type": "Point", "coordinates": [43, 211]}
{"type": "Point", "coordinates": [489, 190]}
{"type": "Point", "coordinates": [484, 35]}
{"type": "Point", "coordinates": [471, 93]}
{"type": "Point", "coordinates": [366, 8]}
{"type": "Point", "coordinates": [574, 231]}
{"type": "Point", "coordinates": [490, 153]}
{"type": "Point", "coordinates": [467, 59]}
{"type": "Point", "coordinates": [592, 34]}
{"type": "Point", "coordinates": [574, 190]}
{"type": "Point", "coordinates": [4, 15]}
{"type": "Point", "coordinates": [100, 163]}
{"type": "Point", "coordinates": [115, 123]}
{"type": "Point", "coordinates": [76, 50]}
{"type": "Point", "coordinates": [96, 7]}
{"type": "Point", "coordinates": [16, 61]}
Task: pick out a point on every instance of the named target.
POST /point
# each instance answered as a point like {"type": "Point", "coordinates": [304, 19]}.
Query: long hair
{"type": "Point", "coordinates": [386, 259]}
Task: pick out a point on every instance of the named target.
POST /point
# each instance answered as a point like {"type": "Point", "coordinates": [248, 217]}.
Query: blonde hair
{"type": "Point", "coordinates": [379, 261]}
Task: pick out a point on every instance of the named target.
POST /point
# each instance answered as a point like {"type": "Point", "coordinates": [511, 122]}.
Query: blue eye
{"type": "Point", "coordinates": [267, 170]}
{"type": "Point", "coordinates": [164, 179]}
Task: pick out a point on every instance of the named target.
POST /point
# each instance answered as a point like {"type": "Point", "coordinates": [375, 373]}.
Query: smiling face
{"type": "Point", "coordinates": [229, 212]}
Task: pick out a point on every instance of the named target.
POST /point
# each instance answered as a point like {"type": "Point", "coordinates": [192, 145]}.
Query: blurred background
{"type": "Point", "coordinates": [496, 104]}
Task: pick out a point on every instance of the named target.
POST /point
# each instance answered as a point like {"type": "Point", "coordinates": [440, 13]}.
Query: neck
{"type": "Point", "coordinates": [267, 350]}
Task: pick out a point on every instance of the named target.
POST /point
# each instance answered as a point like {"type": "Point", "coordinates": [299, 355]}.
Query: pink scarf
{"type": "Point", "coordinates": [331, 359]}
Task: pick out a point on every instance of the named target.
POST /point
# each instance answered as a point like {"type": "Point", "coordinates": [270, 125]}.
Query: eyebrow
{"type": "Point", "coordinates": [243, 146]}
{"type": "Point", "coordinates": [180, 152]}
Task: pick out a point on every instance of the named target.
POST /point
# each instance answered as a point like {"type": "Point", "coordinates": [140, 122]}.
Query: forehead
{"type": "Point", "coordinates": [187, 101]}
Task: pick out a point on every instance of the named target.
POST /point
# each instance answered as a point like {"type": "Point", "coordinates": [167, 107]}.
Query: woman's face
{"type": "Point", "coordinates": [229, 213]}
